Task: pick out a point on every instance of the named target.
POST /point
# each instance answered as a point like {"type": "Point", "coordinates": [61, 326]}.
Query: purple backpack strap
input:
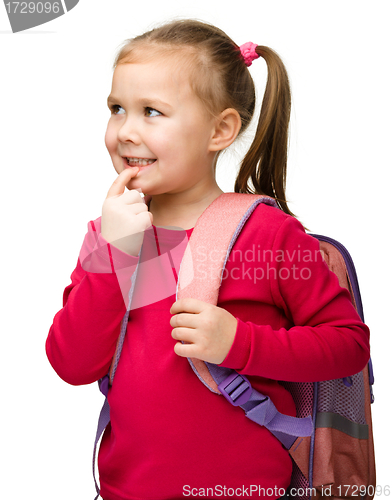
{"type": "Point", "coordinates": [105, 382]}
{"type": "Point", "coordinates": [218, 240]}
{"type": "Point", "coordinates": [104, 419]}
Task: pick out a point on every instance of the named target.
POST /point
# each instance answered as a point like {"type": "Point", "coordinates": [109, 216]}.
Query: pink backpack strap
{"type": "Point", "coordinates": [207, 252]}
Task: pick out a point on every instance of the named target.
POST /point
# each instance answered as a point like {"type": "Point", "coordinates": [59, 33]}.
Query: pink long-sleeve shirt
{"type": "Point", "coordinates": [170, 437]}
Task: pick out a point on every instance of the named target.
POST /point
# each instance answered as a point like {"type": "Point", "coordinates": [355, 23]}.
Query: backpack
{"type": "Point", "coordinates": [330, 440]}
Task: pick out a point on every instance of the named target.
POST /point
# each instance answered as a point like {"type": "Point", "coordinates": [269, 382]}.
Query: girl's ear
{"type": "Point", "coordinates": [227, 127]}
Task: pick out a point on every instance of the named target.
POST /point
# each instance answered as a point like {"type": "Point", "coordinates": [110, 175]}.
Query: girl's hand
{"type": "Point", "coordinates": [125, 216]}
{"type": "Point", "coordinates": [209, 330]}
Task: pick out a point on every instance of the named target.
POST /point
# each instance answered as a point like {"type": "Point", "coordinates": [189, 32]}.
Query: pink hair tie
{"type": "Point", "coordinates": [248, 51]}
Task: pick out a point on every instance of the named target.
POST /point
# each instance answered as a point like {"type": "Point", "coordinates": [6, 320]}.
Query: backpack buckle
{"type": "Point", "coordinates": [236, 389]}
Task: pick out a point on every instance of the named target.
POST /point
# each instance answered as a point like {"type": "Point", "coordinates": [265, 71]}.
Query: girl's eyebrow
{"type": "Point", "coordinates": [146, 102]}
{"type": "Point", "coordinates": [111, 99]}
{"type": "Point", "coordinates": [153, 102]}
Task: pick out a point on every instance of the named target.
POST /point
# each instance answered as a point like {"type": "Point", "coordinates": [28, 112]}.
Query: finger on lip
{"type": "Point", "coordinates": [132, 169]}
{"type": "Point", "coordinates": [120, 183]}
{"type": "Point", "coordinates": [129, 173]}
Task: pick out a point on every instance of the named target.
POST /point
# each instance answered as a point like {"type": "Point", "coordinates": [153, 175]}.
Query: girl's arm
{"type": "Point", "coordinates": [83, 336]}
{"type": "Point", "coordinates": [328, 339]}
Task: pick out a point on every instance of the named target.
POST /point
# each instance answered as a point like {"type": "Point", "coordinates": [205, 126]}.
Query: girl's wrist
{"type": "Point", "coordinates": [239, 352]}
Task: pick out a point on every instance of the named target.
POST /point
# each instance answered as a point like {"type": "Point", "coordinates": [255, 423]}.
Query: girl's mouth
{"type": "Point", "coordinates": [139, 162]}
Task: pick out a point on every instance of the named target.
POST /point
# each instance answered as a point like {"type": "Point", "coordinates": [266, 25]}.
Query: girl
{"type": "Point", "coordinates": [181, 94]}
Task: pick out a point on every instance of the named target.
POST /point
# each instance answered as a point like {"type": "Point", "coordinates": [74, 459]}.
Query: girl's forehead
{"type": "Point", "coordinates": [159, 76]}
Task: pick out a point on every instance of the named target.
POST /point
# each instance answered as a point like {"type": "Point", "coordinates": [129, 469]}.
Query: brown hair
{"type": "Point", "coordinates": [221, 79]}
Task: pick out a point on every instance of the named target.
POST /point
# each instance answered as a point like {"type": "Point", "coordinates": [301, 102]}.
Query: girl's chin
{"type": "Point", "coordinates": [134, 184]}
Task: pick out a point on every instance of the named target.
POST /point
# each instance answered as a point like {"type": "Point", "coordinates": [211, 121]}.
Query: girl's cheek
{"type": "Point", "coordinates": [110, 140]}
{"type": "Point", "coordinates": [164, 142]}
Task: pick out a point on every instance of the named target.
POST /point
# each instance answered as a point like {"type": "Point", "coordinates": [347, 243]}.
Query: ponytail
{"type": "Point", "coordinates": [266, 161]}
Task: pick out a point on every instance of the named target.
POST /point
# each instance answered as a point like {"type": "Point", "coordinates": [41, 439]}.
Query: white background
{"type": "Point", "coordinates": [55, 173]}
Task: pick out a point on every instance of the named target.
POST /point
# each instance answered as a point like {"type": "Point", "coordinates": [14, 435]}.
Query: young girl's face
{"type": "Point", "coordinates": [161, 126]}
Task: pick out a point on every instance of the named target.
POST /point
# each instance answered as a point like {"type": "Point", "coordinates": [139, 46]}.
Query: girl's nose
{"type": "Point", "coordinates": [128, 132]}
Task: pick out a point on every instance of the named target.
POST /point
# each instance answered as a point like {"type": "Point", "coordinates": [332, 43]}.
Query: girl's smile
{"type": "Point", "coordinates": [142, 162]}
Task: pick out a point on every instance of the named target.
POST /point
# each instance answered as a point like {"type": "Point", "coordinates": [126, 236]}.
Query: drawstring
{"type": "Point", "coordinates": [168, 253]}
{"type": "Point", "coordinates": [156, 240]}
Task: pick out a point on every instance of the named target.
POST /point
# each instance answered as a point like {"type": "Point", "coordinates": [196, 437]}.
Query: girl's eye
{"type": "Point", "coordinates": [115, 109]}
{"type": "Point", "coordinates": [151, 112]}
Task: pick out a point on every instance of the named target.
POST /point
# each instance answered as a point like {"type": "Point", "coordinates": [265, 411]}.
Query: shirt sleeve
{"type": "Point", "coordinates": [324, 337]}
{"type": "Point", "coordinates": [82, 339]}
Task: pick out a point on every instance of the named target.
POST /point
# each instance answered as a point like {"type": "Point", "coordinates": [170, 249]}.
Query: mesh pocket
{"type": "Point", "coordinates": [335, 397]}
{"type": "Point", "coordinates": [302, 393]}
